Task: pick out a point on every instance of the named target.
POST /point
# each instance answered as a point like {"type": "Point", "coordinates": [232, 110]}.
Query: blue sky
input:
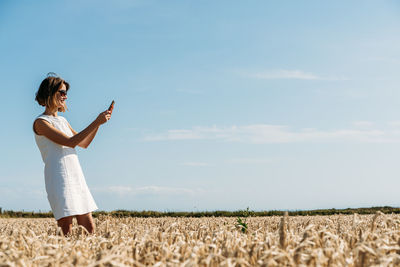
{"type": "Point", "coordinates": [220, 105]}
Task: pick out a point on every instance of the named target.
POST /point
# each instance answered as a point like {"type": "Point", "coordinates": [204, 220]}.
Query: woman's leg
{"type": "Point", "coordinates": [65, 224]}
{"type": "Point", "coordinates": [86, 221]}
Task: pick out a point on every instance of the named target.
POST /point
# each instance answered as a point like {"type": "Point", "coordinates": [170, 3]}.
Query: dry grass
{"type": "Point", "coordinates": [270, 241]}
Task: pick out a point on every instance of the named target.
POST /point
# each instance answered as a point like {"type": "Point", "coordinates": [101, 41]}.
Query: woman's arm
{"type": "Point", "coordinates": [43, 127]}
{"type": "Point", "coordinates": [85, 142]}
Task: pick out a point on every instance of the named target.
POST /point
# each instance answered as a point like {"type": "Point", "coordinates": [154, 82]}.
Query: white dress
{"type": "Point", "coordinates": [66, 188]}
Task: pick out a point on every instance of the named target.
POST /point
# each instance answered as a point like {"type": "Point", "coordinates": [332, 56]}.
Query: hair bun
{"type": "Point", "coordinates": [52, 74]}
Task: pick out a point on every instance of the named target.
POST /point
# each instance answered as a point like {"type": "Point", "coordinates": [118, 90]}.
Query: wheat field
{"type": "Point", "coordinates": [338, 240]}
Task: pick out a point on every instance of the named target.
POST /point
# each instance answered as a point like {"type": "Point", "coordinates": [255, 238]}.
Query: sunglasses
{"type": "Point", "coordinates": [63, 92]}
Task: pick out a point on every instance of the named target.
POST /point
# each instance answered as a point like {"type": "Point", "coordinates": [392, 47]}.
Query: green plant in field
{"type": "Point", "coordinates": [242, 224]}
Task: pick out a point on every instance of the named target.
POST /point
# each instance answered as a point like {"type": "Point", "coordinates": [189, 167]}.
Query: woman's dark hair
{"type": "Point", "coordinates": [45, 96]}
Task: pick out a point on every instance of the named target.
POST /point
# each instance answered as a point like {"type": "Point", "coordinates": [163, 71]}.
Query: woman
{"type": "Point", "coordinates": [66, 188]}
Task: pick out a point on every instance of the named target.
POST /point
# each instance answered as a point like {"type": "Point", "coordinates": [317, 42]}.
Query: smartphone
{"type": "Point", "coordinates": [111, 106]}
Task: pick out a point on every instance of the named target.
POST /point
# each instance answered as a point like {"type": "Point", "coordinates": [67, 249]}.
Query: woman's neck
{"type": "Point", "coordinates": [50, 112]}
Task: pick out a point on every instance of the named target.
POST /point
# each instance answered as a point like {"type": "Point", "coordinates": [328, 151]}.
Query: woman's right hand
{"type": "Point", "coordinates": [103, 117]}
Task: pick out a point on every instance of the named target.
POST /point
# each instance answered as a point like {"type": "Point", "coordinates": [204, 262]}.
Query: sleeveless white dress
{"type": "Point", "coordinates": [66, 188]}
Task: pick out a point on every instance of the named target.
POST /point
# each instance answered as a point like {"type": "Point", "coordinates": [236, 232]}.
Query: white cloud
{"type": "Point", "coordinates": [394, 123]}
{"type": "Point", "coordinates": [383, 59]}
{"type": "Point", "coordinates": [146, 190]}
{"type": "Point", "coordinates": [267, 134]}
{"type": "Point", "coordinates": [189, 91]}
{"type": "Point", "coordinates": [363, 124]}
{"type": "Point", "coordinates": [23, 191]}
{"type": "Point", "coordinates": [285, 74]}
{"type": "Point", "coordinates": [195, 164]}
{"type": "Point", "coordinates": [174, 135]}
{"type": "Point", "coordinates": [250, 161]}
{"type": "Point", "coordinates": [288, 74]}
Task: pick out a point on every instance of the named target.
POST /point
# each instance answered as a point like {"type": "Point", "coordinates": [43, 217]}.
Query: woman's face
{"type": "Point", "coordinates": [61, 96]}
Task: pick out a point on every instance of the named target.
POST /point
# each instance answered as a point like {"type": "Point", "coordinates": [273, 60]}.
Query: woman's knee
{"type": "Point", "coordinates": [65, 221]}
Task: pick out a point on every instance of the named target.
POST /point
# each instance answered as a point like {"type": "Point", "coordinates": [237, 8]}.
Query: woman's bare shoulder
{"type": "Point", "coordinates": [41, 124]}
